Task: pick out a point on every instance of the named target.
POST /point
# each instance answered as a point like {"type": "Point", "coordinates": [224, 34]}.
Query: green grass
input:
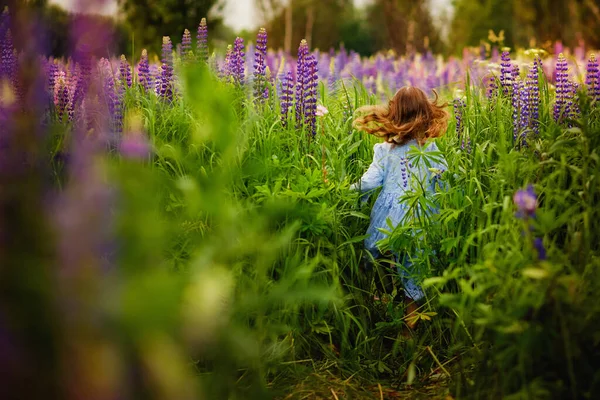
{"type": "Point", "coordinates": [238, 257]}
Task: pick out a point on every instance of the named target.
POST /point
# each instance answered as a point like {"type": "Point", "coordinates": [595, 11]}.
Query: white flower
{"type": "Point", "coordinates": [322, 111]}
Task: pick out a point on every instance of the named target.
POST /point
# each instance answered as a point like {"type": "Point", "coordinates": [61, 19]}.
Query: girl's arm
{"type": "Point", "coordinates": [373, 178]}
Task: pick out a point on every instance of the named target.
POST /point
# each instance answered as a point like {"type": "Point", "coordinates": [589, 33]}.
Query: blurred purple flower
{"type": "Point", "coordinates": [165, 86]}
{"type": "Point", "coordinates": [52, 71]}
{"type": "Point", "coordinates": [8, 61]}
{"type": "Point", "coordinates": [113, 92]}
{"type": "Point", "coordinates": [533, 83]}
{"type": "Point", "coordinates": [135, 146]}
{"type": "Point", "coordinates": [61, 96]}
{"type": "Point", "coordinates": [592, 78]}
{"type": "Point", "coordinates": [526, 202]}
{"type": "Point", "coordinates": [202, 41]}
{"type": "Point", "coordinates": [186, 45]}
{"type": "Point", "coordinates": [287, 96]}
{"type": "Point", "coordinates": [538, 244]}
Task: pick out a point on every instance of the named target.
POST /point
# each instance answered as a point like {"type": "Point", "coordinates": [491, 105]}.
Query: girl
{"type": "Point", "coordinates": [409, 119]}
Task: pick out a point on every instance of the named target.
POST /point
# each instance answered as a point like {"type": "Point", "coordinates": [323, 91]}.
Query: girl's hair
{"type": "Point", "coordinates": [409, 115]}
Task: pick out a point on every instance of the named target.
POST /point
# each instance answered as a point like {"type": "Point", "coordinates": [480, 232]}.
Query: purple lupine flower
{"type": "Point", "coordinates": [134, 144]}
{"type": "Point", "coordinates": [311, 82]}
{"type": "Point", "coordinates": [524, 111]}
{"type": "Point", "coordinates": [83, 70]}
{"type": "Point", "coordinates": [506, 71]}
{"type": "Point", "coordinates": [165, 86]}
{"type": "Point", "coordinates": [592, 78]}
{"type": "Point", "coordinates": [572, 108]}
{"type": "Point", "coordinates": [404, 165]}
{"type": "Point", "coordinates": [287, 96]}
{"type": "Point", "coordinates": [124, 71]}
{"type": "Point", "coordinates": [301, 82]}
{"type": "Point", "coordinates": [482, 52]}
{"type": "Point", "coordinates": [52, 74]}
{"type": "Point", "coordinates": [279, 78]}
{"type": "Point", "coordinates": [261, 91]}
{"type": "Point", "coordinates": [518, 87]}
{"type": "Point", "coordinates": [113, 92]}
{"type": "Point", "coordinates": [144, 76]}
{"type": "Point", "coordinates": [526, 202]}
{"type": "Point", "coordinates": [515, 73]}
{"type": "Point", "coordinates": [458, 105]}
{"type": "Point", "coordinates": [186, 45]}
{"type": "Point", "coordinates": [225, 72]}
{"type": "Point", "coordinates": [332, 78]}
{"type": "Point", "coordinates": [562, 89]}
{"type": "Point", "coordinates": [135, 147]}
{"type": "Point", "coordinates": [72, 83]}
{"type": "Point", "coordinates": [533, 83]}
{"type": "Point", "coordinates": [61, 95]}
{"type": "Point", "coordinates": [491, 86]}
{"type": "Point", "coordinates": [8, 61]}
{"type": "Point", "coordinates": [237, 61]}
{"type": "Point", "coordinates": [167, 51]}
{"type": "Point", "coordinates": [202, 43]}
{"type": "Point", "coordinates": [370, 85]}
{"type": "Point", "coordinates": [538, 244]}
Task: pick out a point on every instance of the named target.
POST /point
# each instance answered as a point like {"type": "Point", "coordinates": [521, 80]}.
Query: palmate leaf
{"type": "Point", "coordinates": [418, 155]}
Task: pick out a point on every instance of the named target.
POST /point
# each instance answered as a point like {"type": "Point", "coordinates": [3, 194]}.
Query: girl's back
{"type": "Point", "coordinates": [409, 119]}
{"type": "Point", "coordinates": [399, 169]}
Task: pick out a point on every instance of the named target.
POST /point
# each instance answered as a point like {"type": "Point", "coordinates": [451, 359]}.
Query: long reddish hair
{"type": "Point", "coordinates": [409, 115]}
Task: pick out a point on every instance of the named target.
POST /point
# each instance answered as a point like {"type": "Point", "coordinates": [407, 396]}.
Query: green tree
{"type": "Point", "coordinates": [526, 22]}
{"type": "Point", "coordinates": [149, 20]}
{"type": "Point", "coordinates": [403, 25]}
{"type": "Point", "coordinates": [313, 20]}
{"type": "Point", "coordinates": [473, 19]}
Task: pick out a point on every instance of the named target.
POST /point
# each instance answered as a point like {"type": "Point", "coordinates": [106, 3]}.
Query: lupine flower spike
{"type": "Point", "coordinates": [125, 72]}
{"type": "Point", "coordinates": [238, 68]}
{"type": "Point", "coordinates": [261, 91]}
{"type": "Point", "coordinates": [202, 41]}
{"type": "Point", "coordinates": [186, 45]}
{"type": "Point", "coordinates": [300, 82]}
{"type": "Point", "coordinates": [144, 76]}
{"type": "Point", "coordinates": [165, 88]}
{"type": "Point", "coordinates": [533, 82]}
{"type": "Point", "coordinates": [287, 91]}
{"type": "Point", "coordinates": [592, 78]}
{"type": "Point", "coordinates": [506, 73]}
{"type": "Point", "coordinates": [563, 89]}
{"type": "Point", "coordinates": [311, 81]}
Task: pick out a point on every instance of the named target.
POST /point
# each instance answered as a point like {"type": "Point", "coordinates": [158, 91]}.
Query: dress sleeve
{"type": "Point", "coordinates": [373, 178]}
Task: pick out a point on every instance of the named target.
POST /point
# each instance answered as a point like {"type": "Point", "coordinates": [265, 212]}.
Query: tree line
{"type": "Point", "coordinates": [402, 25]}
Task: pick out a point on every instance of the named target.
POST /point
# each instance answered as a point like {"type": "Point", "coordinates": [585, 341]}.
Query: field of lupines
{"type": "Point", "coordinates": [185, 229]}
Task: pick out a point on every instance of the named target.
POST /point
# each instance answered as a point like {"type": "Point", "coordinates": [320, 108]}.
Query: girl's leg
{"type": "Point", "coordinates": [413, 292]}
{"type": "Point", "coordinates": [380, 271]}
